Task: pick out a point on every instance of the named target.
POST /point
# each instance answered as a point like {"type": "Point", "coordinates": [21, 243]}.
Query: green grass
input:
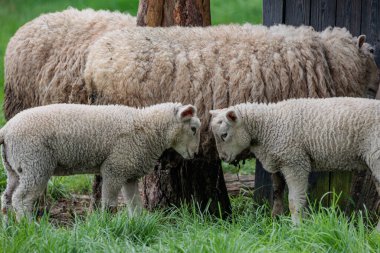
{"type": "Point", "coordinates": [185, 229]}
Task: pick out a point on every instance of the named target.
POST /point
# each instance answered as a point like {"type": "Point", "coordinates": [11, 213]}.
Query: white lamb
{"type": "Point", "coordinates": [296, 137]}
{"type": "Point", "coordinates": [119, 142]}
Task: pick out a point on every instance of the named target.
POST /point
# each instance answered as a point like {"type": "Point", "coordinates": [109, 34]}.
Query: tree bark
{"type": "Point", "coordinates": [174, 180]}
{"type": "Point", "coordinates": [174, 12]}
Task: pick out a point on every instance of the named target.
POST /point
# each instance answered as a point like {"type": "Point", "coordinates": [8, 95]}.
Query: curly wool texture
{"type": "Point", "coordinates": [119, 142]}
{"type": "Point", "coordinates": [321, 134]}
{"type": "Point", "coordinates": [45, 59]}
{"type": "Point", "coordinates": [215, 67]}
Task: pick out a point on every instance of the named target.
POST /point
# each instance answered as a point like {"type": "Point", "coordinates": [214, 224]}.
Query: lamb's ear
{"type": "Point", "coordinates": [186, 112]}
{"type": "Point", "coordinates": [361, 40]}
{"type": "Point", "coordinates": [232, 116]}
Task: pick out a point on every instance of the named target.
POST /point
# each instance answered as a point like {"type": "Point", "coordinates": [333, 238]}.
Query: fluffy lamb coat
{"type": "Point", "coordinates": [119, 142]}
{"type": "Point", "coordinates": [219, 66]}
{"type": "Point", "coordinates": [45, 59]}
{"type": "Point", "coordinates": [296, 137]}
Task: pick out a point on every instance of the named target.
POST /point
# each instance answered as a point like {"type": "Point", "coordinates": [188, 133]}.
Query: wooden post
{"type": "Point", "coordinates": [359, 17]}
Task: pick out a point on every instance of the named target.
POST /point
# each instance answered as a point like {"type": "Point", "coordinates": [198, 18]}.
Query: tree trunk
{"type": "Point", "coordinates": [175, 180]}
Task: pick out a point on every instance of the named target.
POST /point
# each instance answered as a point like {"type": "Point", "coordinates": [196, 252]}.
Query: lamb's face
{"type": "Point", "coordinates": [230, 134]}
{"type": "Point", "coordinates": [187, 133]}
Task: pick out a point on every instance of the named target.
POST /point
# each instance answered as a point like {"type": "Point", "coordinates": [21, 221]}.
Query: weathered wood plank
{"type": "Point", "coordinates": [273, 12]}
{"type": "Point", "coordinates": [235, 184]}
{"type": "Point", "coordinates": [370, 25]}
{"type": "Point", "coordinates": [322, 14]}
{"type": "Point", "coordinates": [348, 14]}
{"type": "Point", "coordinates": [297, 12]}
{"type": "Point", "coordinates": [319, 185]}
{"type": "Point", "coordinates": [340, 183]}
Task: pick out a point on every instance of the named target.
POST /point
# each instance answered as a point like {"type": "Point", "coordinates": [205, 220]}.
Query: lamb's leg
{"type": "Point", "coordinates": [297, 180]}
{"type": "Point", "coordinates": [27, 192]}
{"type": "Point", "coordinates": [110, 190]}
{"type": "Point", "coordinates": [132, 195]}
{"type": "Point", "coordinates": [6, 198]}
{"type": "Point", "coordinates": [278, 183]}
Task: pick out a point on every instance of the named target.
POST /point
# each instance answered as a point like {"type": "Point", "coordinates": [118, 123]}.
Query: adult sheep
{"type": "Point", "coordinates": [45, 59]}
{"type": "Point", "coordinates": [299, 136]}
{"type": "Point", "coordinates": [119, 142]}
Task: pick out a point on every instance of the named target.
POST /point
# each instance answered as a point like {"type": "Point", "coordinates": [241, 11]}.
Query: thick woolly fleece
{"type": "Point", "coordinates": [304, 135]}
{"type": "Point", "coordinates": [45, 59]}
{"type": "Point", "coordinates": [118, 142]}
{"type": "Point", "coordinates": [219, 66]}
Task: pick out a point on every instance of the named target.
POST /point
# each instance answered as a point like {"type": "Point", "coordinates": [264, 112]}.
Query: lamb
{"type": "Point", "coordinates": [45, 59]}
{"type": "Point", "coordinates": [119, 142]}
{"type": "Point", "coordinates": [298, 136]}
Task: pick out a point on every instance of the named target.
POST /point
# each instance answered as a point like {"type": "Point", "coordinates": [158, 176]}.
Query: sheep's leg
{"type": "Point", "coordinates": [297, 180]}
{"type": "Point", "coordinates": [132, 195]}
{"type": "Point", "coordinates": [27, 192]}
{"type": "Point", "coordinates": [278, 183]}
{"type": "Point", "coordinates": [110, 190]}
{"type": "Point", "coordinates": [6, 198]}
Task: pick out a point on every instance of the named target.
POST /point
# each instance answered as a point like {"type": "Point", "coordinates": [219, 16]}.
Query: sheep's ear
{"type": "Point", "coordinates": [361, 40]}
{"type": "Point", "coordinates": [186, 112]}
{"type": "Point", "coordinates": [231, 116]}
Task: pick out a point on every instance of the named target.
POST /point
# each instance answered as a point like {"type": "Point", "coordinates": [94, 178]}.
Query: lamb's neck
{"type": "Point", "coordinates": [256, 120]}
{"type": "Point", "coordinates": [155, 131]}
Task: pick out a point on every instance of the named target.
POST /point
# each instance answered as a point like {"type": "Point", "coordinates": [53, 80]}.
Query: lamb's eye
{"type": "Point", "coordinates": [223, 136]}
{"type": "Point", "coordinates": [371, 50]}
{"type": "Point", "coordinates": [194, 129]}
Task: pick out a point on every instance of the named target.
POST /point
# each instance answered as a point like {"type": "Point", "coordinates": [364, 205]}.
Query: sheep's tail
{"type": "Point", "coordinates": [2, 134]}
